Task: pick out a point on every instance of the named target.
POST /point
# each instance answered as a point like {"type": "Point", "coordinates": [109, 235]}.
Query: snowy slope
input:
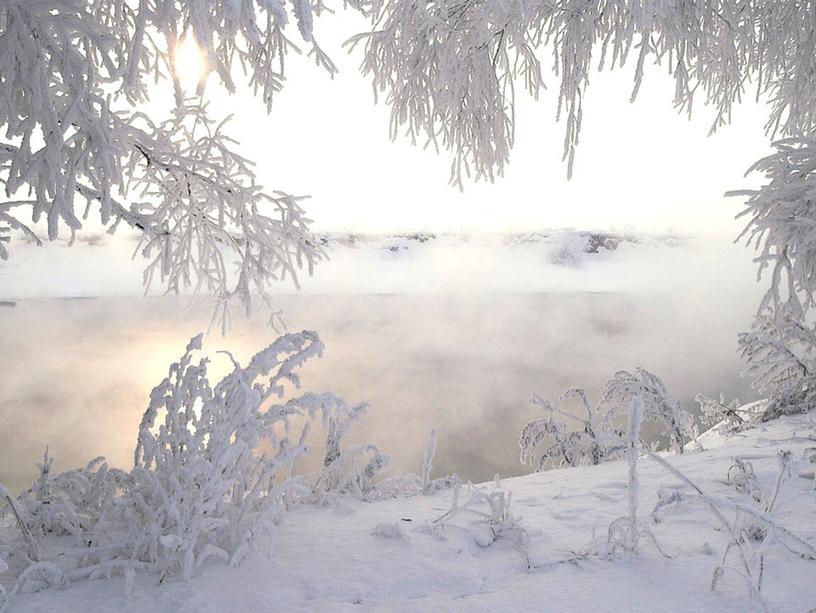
{"type": "Point", "coordinates": [357, 556]}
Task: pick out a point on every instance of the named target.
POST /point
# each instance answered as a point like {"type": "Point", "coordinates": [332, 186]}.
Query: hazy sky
{"type": "Point", "coordinates": [640, 166]}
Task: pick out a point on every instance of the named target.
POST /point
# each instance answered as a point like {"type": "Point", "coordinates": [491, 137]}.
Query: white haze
{"type": "Point", "coordinates": [449, 335]}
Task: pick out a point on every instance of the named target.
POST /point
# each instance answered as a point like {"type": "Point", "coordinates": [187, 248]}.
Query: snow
{"type": "Point", "coordinates": [351, 555]}
{"type": "Point", "coordinates": [548, 261]}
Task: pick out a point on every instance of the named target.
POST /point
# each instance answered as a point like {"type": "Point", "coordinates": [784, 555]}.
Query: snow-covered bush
{"type": "Point", "coordinates": [753, 528]}
{"type": "Point", "coordinates": [71, 503]}
{"type": "Point", "coordinates": [729, 417]}
{"type": "Point", "coordinates": [750, 533]}
{"type": "Point", "coordinates": [659, 406]}
{"type": "Point", "coordinates": [30, 549]}
{"type": "Point", "coordinates": [351, 469]}
{"type": "Point", "coordinates": [490, 518]}
{"type": "Point", "coordinates": [593, 443]}
{"type": "Point", "coordinates": [202, 488]}
{"type": "Point", "coordinates": [547, 442]}
{"type": "Point", "coordinates": [212, 466]}
{"type": "Point", "coordinates": [411, 484]}
{"type": "Point", "coordinates": [781, 354]}
{"type": "Point", "coordinates": [781, 345]}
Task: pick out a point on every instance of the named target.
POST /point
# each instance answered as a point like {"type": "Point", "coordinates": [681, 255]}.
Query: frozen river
{"type": "Point", "coordinates": [456, 339]}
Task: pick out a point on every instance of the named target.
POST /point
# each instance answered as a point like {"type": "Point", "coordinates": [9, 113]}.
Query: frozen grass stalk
{"type": "Point", "coordinates": [15, 510]}
{"type": "Point", "coordinates": [427, 463]}
{"type": "Point", "coordinates": [632, 452]}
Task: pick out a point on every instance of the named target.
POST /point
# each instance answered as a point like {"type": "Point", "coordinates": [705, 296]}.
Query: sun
{"type": "Point", "coordinates": [190, 64]}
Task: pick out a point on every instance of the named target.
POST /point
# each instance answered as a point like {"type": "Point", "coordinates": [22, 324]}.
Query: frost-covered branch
{"type": "Point", "coordinates": [548, 441]}
{"type": "Point", "coordinates": [781, 222]}
{"type": "Point", "coordinates": [728, 417]}
{"type": "Point", "coordinates": [450, 69]}
{"type": "Point", "coordinates": [780, 352]}
{"type": "Point", "coordinates": [659, 406]}
{"type": "Point", "coordinates": [592, 443]}
{"type": "Point", "coordinates": [76, 75]}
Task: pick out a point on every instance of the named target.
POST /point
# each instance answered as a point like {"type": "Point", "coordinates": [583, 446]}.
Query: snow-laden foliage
{"type": "Point", "coordinates": [203, 489]}
{"type": "Point", "coordinates": [547, 441]}
{"type": "Point", "coordinates": [70, 503]}
{"type": "Point", "coordinates": [29, 542]}
{"type": "Point", "coordinates": [450, 70]}
{"type": "Point", "coordinates": [780, 351]}
{"type": "Point", "coordinates": [729, 417]}
{"type": "Point", "coordinates": [780, 347]}
{"type": "Point", "coordinates": [490, 518]}
{"type": "Point", "coordinates": [353, 471]}
{"type": "Point", "coordinates": [412, 484]}
{"type": "Point", "coordinates": [75, 75]}
{"type": "Point", "coordinates": [658, 405]}
{"type": "Point", "coordinates": [213, 465]}
{"type": "Point", "coordinates": [751, 532]}
{"type": "Point", "coordinates": [343, 470]}
{"type": "Point", "coordinates": [781, 218]}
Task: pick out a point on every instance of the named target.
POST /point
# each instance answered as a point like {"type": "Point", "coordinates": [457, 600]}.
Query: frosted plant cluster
{"type": "Point", "coordinates": [780, 351]}
{"type": "Point", "coordinates": [729, 417]}
{"type": "Point", "coordinates": [548, 441]}
{"type": "Point", "coordinates": [780, 347]}
{"type": "Point", "coordinates": [753, 529]}
{"type": "Point", "coordinates": [658, 405]}
{"type": "Point", "coordinates": [487, 518]}
{"type": "Point", "coordinates": [212, 467]}
{"type": "Point", "coordinates": [643, 397]}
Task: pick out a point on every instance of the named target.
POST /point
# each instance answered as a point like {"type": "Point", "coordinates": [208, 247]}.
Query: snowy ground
{"type": "Point", "coordinates": [357, 556]}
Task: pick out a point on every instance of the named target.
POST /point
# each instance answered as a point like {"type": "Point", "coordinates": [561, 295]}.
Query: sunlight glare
{"type": "Point", "coordinates": [190, 64]}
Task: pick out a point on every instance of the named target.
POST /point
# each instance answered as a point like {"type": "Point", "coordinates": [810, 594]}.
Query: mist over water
{"type": "Point", "coordinates": [75, 374]}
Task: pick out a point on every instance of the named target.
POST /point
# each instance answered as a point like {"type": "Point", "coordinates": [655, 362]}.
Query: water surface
{"type": "Point", "coordinates": [75, 374]}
